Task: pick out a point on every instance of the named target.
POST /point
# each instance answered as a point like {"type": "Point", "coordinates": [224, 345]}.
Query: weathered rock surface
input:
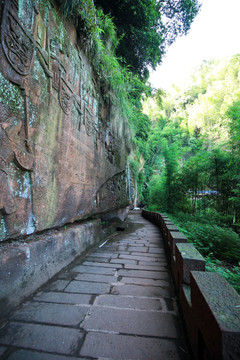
{"type": "Point", "coordinates": [25, 266]}
{"type": "Point", "coordinates": [62, 144]}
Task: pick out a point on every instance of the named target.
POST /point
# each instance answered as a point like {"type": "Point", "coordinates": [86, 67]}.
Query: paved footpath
{"type": "Point", "coordinates": [115, 303]}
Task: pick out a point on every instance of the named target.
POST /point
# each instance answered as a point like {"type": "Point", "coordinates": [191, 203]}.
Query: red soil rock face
{"type": "Point", "coordinates": [63, 146]}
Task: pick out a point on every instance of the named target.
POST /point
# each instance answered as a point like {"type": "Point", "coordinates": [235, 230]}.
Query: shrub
{"type": "Point", "coordinates": [223, 244]}
{"type": "Point", "coordinates": [231, 275]}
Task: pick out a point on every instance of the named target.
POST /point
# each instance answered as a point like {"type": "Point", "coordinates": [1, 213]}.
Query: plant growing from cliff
{"type": "Point", "coordinates": [123, 40]}
{"type": "Point", "coordinates": [146, 27]}
{"type": "Point", "coordinates": [83, 13]}
{"type": "Point", "coordinates": [99, 31]}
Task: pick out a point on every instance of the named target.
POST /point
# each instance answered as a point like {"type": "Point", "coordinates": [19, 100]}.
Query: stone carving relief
{"type": "Point", "coordinates": [17, 46]}
{"type": "Point", "coordinates": [16, 58]}
{"type": "Point", "coordinates": [56, 73]}
{"type": "Point", "coordinates": [40, 32]}
{"type": "Point", "coordinates": [88, 121]}
{"type": "Point", "coordinates": [11, 149]}
{"type": "Point", "coordinates": [113, 192]}
{"type": "Point", "coordinates": [65, 97]}
{"type": "Point", "coordinates": [91, 117]}
{"type": "Point", "coordinates": [55, 94]}
{"type": "Point", "coordinates": [90, 104]}
{"type": "Point", "coordinates": [18, 49]}
{"type": "Point", "coordinates": [78, 115]}
{"type": "Point", "coordinates": [112, 145]}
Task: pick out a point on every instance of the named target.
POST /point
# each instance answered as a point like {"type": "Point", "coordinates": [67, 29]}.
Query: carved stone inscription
{"type": "Point", "coordinates": [65, 97]}
{"type": "Point", "coordinates": [58, 146]}
{"type": "Point", "coordinates": [113, 192]}
{"type": "Point", "coordinates": [12, 150]}
{"type": "Point", "coordinates": [17, 46]}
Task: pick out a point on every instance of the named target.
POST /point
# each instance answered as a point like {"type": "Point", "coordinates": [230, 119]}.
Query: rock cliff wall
{"type": "Point", "coordinates": [63, 147]}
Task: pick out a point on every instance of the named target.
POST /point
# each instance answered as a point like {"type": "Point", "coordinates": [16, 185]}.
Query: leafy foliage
{"type": "Point", "coordinates": [146, 27]}
{"type": "Point", "coordinates": [232, 275]}
{"type": "Point", "coordinates": [211, 239]}
{"type": "Point", "coordinates": [201, 128]}
{"type": "Point", "coordinates": [193, 166]}
{"type": "Point", "coordinates": [115, 81]}
{"type": "Point", "coordinates": [218, 245]}
{"type": "Point", "coordinates": [122, 38]}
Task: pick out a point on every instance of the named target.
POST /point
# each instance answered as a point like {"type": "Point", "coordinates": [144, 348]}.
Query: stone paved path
{"type": "Point", "coordinates": [116, 303]}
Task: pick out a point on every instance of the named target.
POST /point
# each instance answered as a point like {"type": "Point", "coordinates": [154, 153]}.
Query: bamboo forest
{"type": "Point", "coordinates": [188, 160]}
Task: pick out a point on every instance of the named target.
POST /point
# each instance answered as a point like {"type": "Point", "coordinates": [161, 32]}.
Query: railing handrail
{"type": "Point", "coordinates": [209, 304]}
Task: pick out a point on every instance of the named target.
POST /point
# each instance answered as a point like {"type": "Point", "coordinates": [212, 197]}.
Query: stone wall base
{"type": "Point", "coordinates": [27, 264]}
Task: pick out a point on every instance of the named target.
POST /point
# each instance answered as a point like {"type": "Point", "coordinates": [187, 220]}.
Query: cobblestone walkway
{"type": "Point", "coordinates": [115, 303]}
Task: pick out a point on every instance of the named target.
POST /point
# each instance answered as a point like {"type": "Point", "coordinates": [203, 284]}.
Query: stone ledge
{"type": "Point", "coordinates": [175, 237]}
{"type": "Point", "coordinates": [215, 306]}
{"type": "Point", "coordinates": [188, 317]}
{"type": "Point", "coordinates": [210, 306]}
{"type": "Point", "coordinates": [25, 266]}
{"type": "Point", "coordinates": [187, 259]}
{"type": "Point", "coordinates": [172, 228]}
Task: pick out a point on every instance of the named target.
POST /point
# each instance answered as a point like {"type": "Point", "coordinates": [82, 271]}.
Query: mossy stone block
{"type": "Point", "coordinates": [188, 259]}
{"type": "Point", "coordinates": [174, 238]}
{"type": "Point", "coordinates": [216, 308]}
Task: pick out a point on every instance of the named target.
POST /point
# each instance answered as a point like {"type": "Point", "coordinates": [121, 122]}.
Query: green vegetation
{"type": "Point", "coordinates": [123, 38]}
{"type": "Point", "coordinates": [186, 144]}
{"type": "Point", "coordinates": [146, 27]}
{"type": "Point", "coordinates": [219, 245]}
{"type": "Point", "coordinates": [193, 162]}
{"type": "Point", "coordinates": [194, 144]}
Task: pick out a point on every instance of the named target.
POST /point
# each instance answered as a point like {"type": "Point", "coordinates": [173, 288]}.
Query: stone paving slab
{"type": "Point", "coordinates": [159, 267]}
{"type": "Point", "coordinates": [53, 339]}
{"type": "Point", "coordinates": [123, 261]}
{"type": "Point", "coordinates": [162, 262]}
{"type": "Point", "coordinates": [120, 347]}
{"type": "Point", "coordinates": [94, 270]}
{"type": "Point", "coordinates": [155, 251]}
{"type": "Point", "coordinates": [123, 247]}
{"type": "Point", "coordinates": [146, 255]}
{"type": "Point", "coordinates": [142, 258]}
{"type": "Point", "coordinates": [129, 302]}
{"type": "Point", "coordinates": [85, 287]}
{"type": "Point", "coordinates": [99, 264]}
{"type": "Point", "coordinates": [138, 290]}
{"type": "Point", "coordinates": [144, 274]}
{"type": "Point", "coordinates": [116, 303]}
{"type": "Point", "coordinates": [30, 355]}
{"type": "Point", "coordinates": [63, 298]}
{"type": "Point", "coordinates": [138, 248]}
{"type": "Point", "coordinates": [96, 278]}
{"type": "Point", "coordinates": [146, 282]}
{"type": "Point", "coordinates": [102, 254]}
{"type": "Point", "coordinates": [123, 253]}
{"type": "Point", "coordinates": [56, 314]}
{"type": "Point", "coordinates": [133, 322]}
